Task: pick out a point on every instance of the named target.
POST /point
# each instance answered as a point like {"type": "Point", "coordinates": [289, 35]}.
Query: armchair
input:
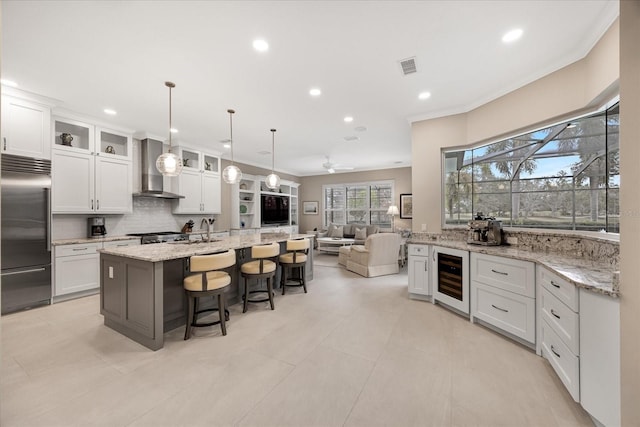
{"type": "Point", "coordinates": [378, 256]}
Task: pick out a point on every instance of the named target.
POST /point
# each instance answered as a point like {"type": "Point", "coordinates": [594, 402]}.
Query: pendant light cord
{"type": "Point", "coordinates": [273, 149]}
{"type": "Point", "coordinates": [231, 131]}
{"type": "Point", "coordinates": [170, 85]}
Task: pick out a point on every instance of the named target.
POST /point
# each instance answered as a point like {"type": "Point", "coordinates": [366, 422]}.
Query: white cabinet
{"type": "Point", "coordinates": [199, 183]}
{"type": "Point", "coordinates": [77, 266]}
{"type": "Point", "coordinates": [92, 173]}
{"type": "Point", "coordinates": [245, 205]}
{"type": "Point", "coordinates": [25, 128]}
{"type": "Point", "coordinates": [418, 271]}
{"type": "Point", "coordinates": [600, 356]}
{"type": "Point", "coordinates": [558, 332]}
{"type": "Point", "coordinates": [503, 294]}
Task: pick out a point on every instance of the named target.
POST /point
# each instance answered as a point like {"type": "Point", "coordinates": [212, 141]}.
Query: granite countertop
{"type": "Point", "coordinates": [175, 250]}
{"type": "Point", "coordinates": [596, 276]}
{"type": "Point", "coordinates": [83, 240]}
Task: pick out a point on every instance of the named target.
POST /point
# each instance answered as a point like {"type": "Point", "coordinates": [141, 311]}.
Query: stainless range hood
{"type": "Point", "coordinates": [152, 185]}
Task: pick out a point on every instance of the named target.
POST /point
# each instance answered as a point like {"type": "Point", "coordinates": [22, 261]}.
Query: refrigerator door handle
{"type": "Point", "coordinates": [48, 221]}
{"type": "Point", "coordinates": [32, 270]}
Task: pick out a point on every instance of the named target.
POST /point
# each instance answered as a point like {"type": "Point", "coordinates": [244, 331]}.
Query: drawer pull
{"type": "Point", "coordinates": [498, 308]}
{"type": "Point", "coordinates": [554, 314]}
{"type": "Point", "coordinates": [554, 352]}
{"type": "Point", "coordinates": [79, 249]}
{"type": "Point", "coordinates": [499, 272]}
{"type": "Point", "coordinates": [124, 244]}
{"type": "Point", "coordinates": [554, 284]}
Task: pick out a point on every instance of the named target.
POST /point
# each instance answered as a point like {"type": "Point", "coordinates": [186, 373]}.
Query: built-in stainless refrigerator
{"type": "Point", "coordinates": [26, 232]}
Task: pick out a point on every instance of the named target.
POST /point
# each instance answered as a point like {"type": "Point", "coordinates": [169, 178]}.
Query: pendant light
{"type": "Point", "coordinates": [169, 164]}
{"type": "Point", "coordinates": [273, 180]}
{"type": "Point", "coordinates": [231, 174]}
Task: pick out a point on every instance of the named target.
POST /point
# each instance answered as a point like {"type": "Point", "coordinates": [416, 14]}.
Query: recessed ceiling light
{"type": "Point", "coordinates": [512, 35]}
{"type": "Point", "coordinates": [226, 145]}
{"type": "Point", "coordinates": [315, 92]}
{"type": "Point", "coordinates": [8, 83]}
{"type": "Point", "coordinates": [424, 95]}
{"type": "Point", "coordinates": [260, 45]}
{"type": "Point", "coordinates": [110, 112]}
{"type": "Point", "coordinates": [348, 119]}
{"type": "Point", "coordinates": [174, 130]}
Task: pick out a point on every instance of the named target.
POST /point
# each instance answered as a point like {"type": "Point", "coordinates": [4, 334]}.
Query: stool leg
{"type": "Point", "coordinates": [270, 289]}
{"type": "Point", "coordinates": [283, 281]}
{"type": "Point", "coordinates": [303, 280]}
{"type": "Point", "coordinates": [221, 304]}
{"type": "Point", "coordinates": [246, 295]}
{"type": "Point", "coordinates": [190, 303]}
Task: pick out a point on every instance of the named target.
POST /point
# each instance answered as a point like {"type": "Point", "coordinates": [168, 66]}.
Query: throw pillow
{"type": "Point", "coordinates": [361, 233]}
{"type": "Point", "coordinates": [336, 232]}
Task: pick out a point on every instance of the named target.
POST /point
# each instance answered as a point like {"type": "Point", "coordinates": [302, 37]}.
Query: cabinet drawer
{"type": "Point", "coordinates": [560, 288]}
{"type": "Point", "coordinates": [564, 362]}
{"type": "Point", "coordinates": [504, 273]}
{"type": "Point", "coordinates": [508, 311]}
{"type": "Point", "coordinates": [76, 273]}
{"type": "Point", "coordinates": [564, 322]}
{"type": "Point", "coordinates": [122, 243]}
{"type": "Point", "coordinates": [70, 250]}
{"type": "Point", "coordinates": [420, 250]}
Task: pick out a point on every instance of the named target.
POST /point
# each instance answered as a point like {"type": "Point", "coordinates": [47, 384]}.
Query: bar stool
{"type": "Point", "coordinates": [210, 280]}
{"type": "Point", "coordinates": [296, 257]}
{"type": "Point", "coordinates": [263, 267]}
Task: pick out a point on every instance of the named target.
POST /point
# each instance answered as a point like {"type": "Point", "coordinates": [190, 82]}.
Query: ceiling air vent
{"type": "Point", "coordinates": [408, 65]}
{"type": "Point", "coordinates": [351, 138]}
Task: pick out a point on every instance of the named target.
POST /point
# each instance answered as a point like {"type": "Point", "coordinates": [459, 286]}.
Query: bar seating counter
{"type": "Point", "coordinates": [141, 292]}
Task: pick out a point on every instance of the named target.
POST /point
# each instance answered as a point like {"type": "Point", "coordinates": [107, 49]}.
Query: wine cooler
{"type": "Point", "coordinates": [451, 278]}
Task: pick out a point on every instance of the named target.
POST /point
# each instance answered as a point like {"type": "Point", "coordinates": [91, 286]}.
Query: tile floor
{"type": "Point", "coordinates": [353, 351]}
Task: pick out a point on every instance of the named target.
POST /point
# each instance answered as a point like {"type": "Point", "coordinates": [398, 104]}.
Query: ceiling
{"type": "Point", "coordinates": [117, 54]}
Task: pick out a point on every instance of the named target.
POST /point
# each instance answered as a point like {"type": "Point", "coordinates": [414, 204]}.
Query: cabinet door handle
{"type": "Point", "coordinates": [124, 244]}
{"type": "Point", "coordinates": [92, 204]}
{"type": "Point", "coordinates": [97, 205]}
{"type": "Point", "coordinates": [554, 314]}
{"type": "Point", "coordinates": [499, 272]}
{"type": "Point", "coordinates": [554, 352]}
{"type": "Point", "coordinates": [425, 266]}
{"type": "Point", "coordinates": [555, 285]}
{"type": "Point", "coordinates": [5, 143]}
{"type": "Point", "coordinates": [79, 249]}
{"type": "Point", "coordinates": [498, 308]}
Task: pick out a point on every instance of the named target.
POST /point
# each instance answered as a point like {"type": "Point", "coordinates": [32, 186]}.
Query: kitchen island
{"type": "Point", "coordinates": [141, 293]}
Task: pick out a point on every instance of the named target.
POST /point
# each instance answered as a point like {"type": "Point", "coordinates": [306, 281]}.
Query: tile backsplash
{"type": "Point", "coordinates": [149, 215]}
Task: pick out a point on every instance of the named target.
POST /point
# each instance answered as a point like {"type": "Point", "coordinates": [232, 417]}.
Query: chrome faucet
{"type": "Point", "coordinates": [208, 223]}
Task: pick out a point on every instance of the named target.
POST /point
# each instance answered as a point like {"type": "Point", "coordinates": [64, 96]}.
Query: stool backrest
{"type": "Point", "coordinates": [298, 245]}
{"type": "Point", "coordinates": [265, 251]}
{"type": "Point", "coordinates": [212, 262]}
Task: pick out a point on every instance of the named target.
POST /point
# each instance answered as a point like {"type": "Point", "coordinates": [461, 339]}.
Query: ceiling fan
{"type": "Point", "coordinates": [333, 167]}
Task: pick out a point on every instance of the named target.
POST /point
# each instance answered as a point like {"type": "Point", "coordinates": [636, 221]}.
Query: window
{"type": "Point", "coordinates": [565, 176]}
{"type": "Point", "coordinates": [360, 203]}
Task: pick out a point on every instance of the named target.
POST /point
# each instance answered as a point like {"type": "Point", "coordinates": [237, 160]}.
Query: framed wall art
{"type": "Point", "coordinates": [310, 208]}
{"type": "Point", "coordinates": [406, 206]}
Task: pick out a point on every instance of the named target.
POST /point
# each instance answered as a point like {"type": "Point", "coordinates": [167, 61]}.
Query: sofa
{"type": "Point", "coordinates": [377, 257]}
{"type": "Point", "coordinates": [358, 232]}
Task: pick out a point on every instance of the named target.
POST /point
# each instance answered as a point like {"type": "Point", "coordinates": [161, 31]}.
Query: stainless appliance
{"type": "Point", "coordinates": [26, 232]}
{"type": "Point", "coordinates": [160, 237]}
{"type": "Point", "coordinates": [152, 180]}
{"type": "Point", "coordinates": [485, 231]}
{"type": "Point", "coordinates": [451, 278]}
{"type": "Point", "coordinates": [96, 227]}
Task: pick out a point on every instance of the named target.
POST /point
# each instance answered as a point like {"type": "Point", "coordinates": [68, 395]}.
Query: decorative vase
{"type": "Point", "coordinates": [66, 139]}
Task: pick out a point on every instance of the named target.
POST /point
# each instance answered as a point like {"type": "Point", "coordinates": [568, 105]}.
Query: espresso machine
{"type": "Point", "coordinates": [485, 231]}
{"type": "Point", "coordinates": [95, 227]}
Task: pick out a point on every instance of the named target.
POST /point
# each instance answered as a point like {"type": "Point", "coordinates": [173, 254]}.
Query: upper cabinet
{"type": "Point", "coordinates": [91, 168]}
{"type": "Point", "coordinates": [199, 183]}
{"type": "Point", "coordinates": [25, 128]}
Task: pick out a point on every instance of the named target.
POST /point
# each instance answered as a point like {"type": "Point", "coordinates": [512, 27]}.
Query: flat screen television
{"type": "Point", "coordinates": [274, 210]}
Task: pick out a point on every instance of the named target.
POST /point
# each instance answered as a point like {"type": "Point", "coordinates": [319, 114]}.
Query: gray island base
{"type": "Point", "coordinates": [141, 293]}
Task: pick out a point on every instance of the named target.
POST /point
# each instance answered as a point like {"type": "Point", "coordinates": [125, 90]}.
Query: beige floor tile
{"type": "Point", "coordinates": [319, 392]}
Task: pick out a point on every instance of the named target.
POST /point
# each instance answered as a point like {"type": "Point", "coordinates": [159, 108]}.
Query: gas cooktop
{"type": "Point", "coordinates": [160, 237]}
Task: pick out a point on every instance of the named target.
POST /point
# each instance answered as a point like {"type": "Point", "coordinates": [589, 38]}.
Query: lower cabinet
{"type": "Point", "coordinates": [503, 295]}
{"type": "Point", "coordinates": [77, 266]}
{"type": "Point", "coordinates": [418, 271]}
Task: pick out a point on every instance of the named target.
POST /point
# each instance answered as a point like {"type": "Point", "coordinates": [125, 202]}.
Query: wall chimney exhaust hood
{"type": "Point", "coordinates": [152, 185]}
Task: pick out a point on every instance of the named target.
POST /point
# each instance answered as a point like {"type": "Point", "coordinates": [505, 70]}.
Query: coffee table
{"type": "Point", "coordinates": [332, 244]}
